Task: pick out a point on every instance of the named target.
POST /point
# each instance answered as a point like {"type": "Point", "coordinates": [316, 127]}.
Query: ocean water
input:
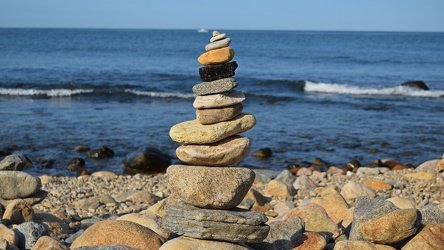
{"type": "Point", "coordinates": [329, 95]}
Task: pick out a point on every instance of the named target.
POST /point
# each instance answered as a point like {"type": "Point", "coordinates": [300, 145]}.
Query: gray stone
{"type": "Point", "coordinates": [28, 234]}
{"type": "Point", "coordinates": [431, 214]}
{"type": "Point", "coordinates": [428, 165]}
{"type": "Point", "coordinates": [219, 100]}
{"type": "Point", "coordinates": [381, 222]}
{"type": "Point", "coordinates": [217, 37]}
{"type": "Point", "coordinates": [215, 115]}
{"type": "Point", "coordinates": [281, 232]}
{"type": "Point", "coordinates": [17, 184]}
{"type": "Point", "coordinates": [13, 162]}
{"type": "Point", "coordinates": [234, 225]}
{"type": "Point", "coordinates": [214, 87]}
{"type": "Point", "coordinates": [304, 182]}
{"type": "Point", "coordinates": [210, 187]}
{"type": "Point", "coordinates": [74, 236]}
{"type": "Point", "coordinates": [367, 171]}
{"type": "Point", "coordinates": [222, 153]}
{"type": "Point", "coordinates": [218, 44]}
{"type": "Point", "coordinates": [286, 177]}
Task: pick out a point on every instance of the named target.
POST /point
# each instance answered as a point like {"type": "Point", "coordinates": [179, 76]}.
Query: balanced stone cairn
{"type": "Point", "coordinates": [205, 193]}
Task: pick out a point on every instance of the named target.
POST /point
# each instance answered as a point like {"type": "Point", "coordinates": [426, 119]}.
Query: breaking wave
{"type": "Point", "coordinates": [334, 88]}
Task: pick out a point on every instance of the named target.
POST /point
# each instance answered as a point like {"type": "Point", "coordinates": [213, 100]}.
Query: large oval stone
{"type": "Point", "coordinates": [216, 56]}
{"type": "Point", "coordinates": [215, 115]}
{"type": "Point", "coordinates": [214, 188]}
{"type": "Point", "coordinates": [119, 232]}
{"type": "Point", "coordinates": [193, 132]}
{"type": "Point", "coordinates": [17, 184]}
{"type": "Point", "coordinates": [226, 152]}
{"type": "Point", "coordinates": [219, 100]}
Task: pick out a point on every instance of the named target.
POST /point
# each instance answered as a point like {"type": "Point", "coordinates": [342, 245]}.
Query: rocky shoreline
{"type": "Point", "coordinates": [306, 209]}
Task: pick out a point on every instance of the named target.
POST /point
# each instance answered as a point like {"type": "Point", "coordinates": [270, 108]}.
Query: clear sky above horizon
{"type": "Point", "coordinates": [376, 15]}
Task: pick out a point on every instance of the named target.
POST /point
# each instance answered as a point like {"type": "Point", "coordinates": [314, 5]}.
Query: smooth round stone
{"type": "Point", "coordinates": [216, 32]}
{"type": "Point", "coordinates": [217, 37]}
{"type": "Point", "coordinates": [218, 44]}
{"type": "Point", "coordinates": [214, 87]}
{"type": "Point", "coordinates": [193, 132]}
{"type": "Point", "coordinates": [216, 56]}
{"type": "Point", "coordinates": [219, 100]}
{"type": "Point", "coordinates": [215, 115]}
{"type": "Point", "coordinates": [226, 152]}
{"type": "Point", "coordinates": [17, 184]}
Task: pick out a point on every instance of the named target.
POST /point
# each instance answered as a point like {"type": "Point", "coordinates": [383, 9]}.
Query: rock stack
{"type": "Point", "coordinates": [205, 193]}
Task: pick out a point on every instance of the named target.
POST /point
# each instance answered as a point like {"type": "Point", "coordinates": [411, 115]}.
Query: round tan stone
{"type": "Point", "coordinates": [213, 188]}
{"type": "Point", "coordinates": [119, 232]}
{"type": "Point", "coordinates": [222, 153]}
{"type": "Point", "coordinates": [216, 56]}
{"type": "Point", "coordinates": [309, 241]}
{"type": "Point", "coordinates": [219, 100]}
{"type": "Point", "coordinates": [193, 132]}
{"type": "Point", "coordinates": [215, 115]}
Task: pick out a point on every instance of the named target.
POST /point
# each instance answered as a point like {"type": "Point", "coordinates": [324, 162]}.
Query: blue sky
{"type": "Point", "coordinates": [376, 15]}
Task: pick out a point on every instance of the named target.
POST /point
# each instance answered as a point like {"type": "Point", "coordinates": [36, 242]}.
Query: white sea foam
{"type": "Point", "coordinates": [160, 94]}
{"type": "Point", "coordinates": [36, 92]}
{"type": "Point", "coordinates": [333, 88]}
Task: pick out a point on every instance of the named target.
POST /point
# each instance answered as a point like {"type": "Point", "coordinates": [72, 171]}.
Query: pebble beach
{"type": "Point", "coordinates": [73, 204]}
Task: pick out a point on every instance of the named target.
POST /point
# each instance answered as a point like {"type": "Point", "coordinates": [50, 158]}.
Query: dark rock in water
{"type": "Point", "coordinates": [13, 162]}
{"type": "Point", "coordinates": [215, 72]}
{"type": "Point", "coordinates": [78, 165]}
{"type": "Point", "coordinates": [147, 161]}
{"type": "Point", "coordinates": [320, 162]}
{"type": "Point", "coordinates": [45, 163]}
{"type": "Point", "coordinates": [4, 153]}
{"type": "Point", "coordinates": [263, 153]}
{"type": "Point", "coordinates": [352, 166]}
{"type": "Point", "coordinates": [81, 148]}
{"type": "Point", "coordinates": [416, 84]}
{"type": "Point", "coordinates": [78, 162]}
{"type": "Point", "coordinates": [102, 152]}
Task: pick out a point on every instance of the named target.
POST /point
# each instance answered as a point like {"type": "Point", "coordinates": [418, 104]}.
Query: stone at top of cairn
{"type": "Point", "coordinates": [218, 50]}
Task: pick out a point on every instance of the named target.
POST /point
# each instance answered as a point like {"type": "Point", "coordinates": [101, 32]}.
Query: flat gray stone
{"type": "Point", "coordinates": [17, 184]}
{"type": "Point", "coordinates": [28, 234]}
{"type": "Point", "coordinates": [218, 44]}
{"type": "Point", "coordinates": [234, 225]}
{"type": "Point", "coordinates": [214, 87]}
{"type": "Point", "coordinates": [209, 187]}
{"type": "Point", "coordinates": [219, 100]}
{"type": "Point", "coordinates": [13, 162]}
{"type": "Point", "coordinates": [217, 37]}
